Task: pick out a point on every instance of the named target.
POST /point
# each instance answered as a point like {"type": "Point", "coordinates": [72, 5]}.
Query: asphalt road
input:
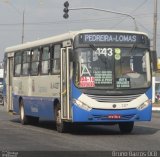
{"type": "Point", "coordinates": [44, 137]}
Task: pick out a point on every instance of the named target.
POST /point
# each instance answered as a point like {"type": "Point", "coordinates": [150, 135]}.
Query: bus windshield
{"type": "Point", "coordinates": [112, 68]}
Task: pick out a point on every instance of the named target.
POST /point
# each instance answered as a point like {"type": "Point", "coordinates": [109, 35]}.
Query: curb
{"type": "Point", "coordinates": [155, 108]}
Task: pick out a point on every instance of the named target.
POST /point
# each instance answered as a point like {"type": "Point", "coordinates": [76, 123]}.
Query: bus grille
{"type": "Point", "coordinates": [113, 99]}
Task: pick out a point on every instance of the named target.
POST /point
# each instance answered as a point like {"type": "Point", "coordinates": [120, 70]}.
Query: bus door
{"type": "Point", "coordinates": [65, 84]}
{"type": "Point", "coordinates": [9, 82]}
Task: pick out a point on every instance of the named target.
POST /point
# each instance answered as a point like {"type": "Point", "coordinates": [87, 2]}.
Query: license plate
{"type": "Point", "coordinates": [114, 116]}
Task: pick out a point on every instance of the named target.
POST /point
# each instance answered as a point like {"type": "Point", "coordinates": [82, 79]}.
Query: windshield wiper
{"type": "Point", "coordinates": [132, 48]}
{"type": "Point", "coordinates": [93, 47]}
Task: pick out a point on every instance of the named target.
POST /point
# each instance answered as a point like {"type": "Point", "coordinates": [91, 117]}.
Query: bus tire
{"type": "Point", "coordinates": [126, 127]}
{"type": "Point", "coordinates": [61, 126]}
{"type": "Point", "coordinates": [23, 117]}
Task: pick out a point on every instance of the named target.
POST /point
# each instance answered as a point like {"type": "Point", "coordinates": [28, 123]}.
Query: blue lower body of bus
{"type": "Point", "coordinates": [43, 108]}
{"type": "Point", "coordinates": [35, 106]}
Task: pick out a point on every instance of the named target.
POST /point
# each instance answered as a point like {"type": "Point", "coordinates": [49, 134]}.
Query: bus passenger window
{"type": "Point", "coordinates": [56, 59]}
{"type": "Point", "coordinates": [45, 60]}
{"type": "Point", "coordinates": [25, 62]}
{"type": "Point", "coordinates": [17, 64]}
{"type": "Point", "coordinates": [35, 61]}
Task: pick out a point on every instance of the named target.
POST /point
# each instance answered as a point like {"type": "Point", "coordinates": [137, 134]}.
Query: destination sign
{"type": "Point", "coordinates": [123, 82]}
{"type": "Point", "coordinates": [111, 38]}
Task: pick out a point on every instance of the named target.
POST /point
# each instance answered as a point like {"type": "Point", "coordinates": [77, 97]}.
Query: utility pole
{"type": "Point", "coordinates": [154, 51]}
{"type": "Point", "coordinates": [23, 27]}
{"type": "Point", "coordinates": [19, 12]}
{"type": "Point", "coordinates": [155, 26]}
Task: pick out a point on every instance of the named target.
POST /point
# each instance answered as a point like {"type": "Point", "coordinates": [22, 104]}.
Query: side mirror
{"type": "Point", "coordinates": [154, 60]}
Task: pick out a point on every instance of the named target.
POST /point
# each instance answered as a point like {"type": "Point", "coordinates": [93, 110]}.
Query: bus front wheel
{"type": "Point", "coordinates": [61, 126]}
{"type": "Point", "coordinates": [126, 127]}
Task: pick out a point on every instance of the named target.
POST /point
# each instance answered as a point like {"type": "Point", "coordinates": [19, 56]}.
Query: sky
{"type": "Point", "coordinates": [44, 18]}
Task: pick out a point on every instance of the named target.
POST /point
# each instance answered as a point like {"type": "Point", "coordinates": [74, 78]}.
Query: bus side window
{"type": "Point", "coordinates": [25, 62]}
{"type": "Point", "coordinates": [56, 59]}
{"type": "Point", "coordinates": [45, 60]}
{"type": "Point", "coordinates": [17, 64]}
{"type": "Point", "coordinates": [35, 58]}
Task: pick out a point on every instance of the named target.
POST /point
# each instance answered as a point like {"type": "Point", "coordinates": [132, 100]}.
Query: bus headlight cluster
{"type": "Point", "coordinates": [81, 105]}
{"type": "Point", "coordinates": [144, 105]}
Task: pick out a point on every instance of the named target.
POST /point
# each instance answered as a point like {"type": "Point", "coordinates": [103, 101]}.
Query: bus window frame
{"type": "Point", "coordinates": [29, 67]}
{"type": "Point", "coordinates": [31, 61]}
{"type": "Point", "coordinates": [14, 72]}
{"type": "Point", "coordinates": [49, 60]}
{"type": "Point", "coordinates": [52, 58]}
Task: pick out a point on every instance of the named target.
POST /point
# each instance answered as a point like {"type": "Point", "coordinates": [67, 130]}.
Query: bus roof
{"type": "Point", "coordinates": [61, 37]}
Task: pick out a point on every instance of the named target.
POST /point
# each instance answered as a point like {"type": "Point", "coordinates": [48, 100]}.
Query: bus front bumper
{"type": "Point", "coordinates": [101, 116]}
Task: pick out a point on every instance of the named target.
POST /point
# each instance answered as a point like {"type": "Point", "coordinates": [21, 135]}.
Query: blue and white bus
{"type": "Point", "coordinates": [87, 76]}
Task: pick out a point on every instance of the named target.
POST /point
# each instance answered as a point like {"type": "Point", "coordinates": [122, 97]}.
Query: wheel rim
{"type": "Point", "coordinates": [22, 112]}
{"type": "Point", "coordinates": [58, 117]}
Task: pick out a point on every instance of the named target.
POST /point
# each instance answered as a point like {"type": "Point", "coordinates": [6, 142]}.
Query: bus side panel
{"type": "Point", "coordinates": [35, 106]}
{"type": "Point", "coordinates": [38, 94]}
{"type": "Point", "coordinates": [38, 107]}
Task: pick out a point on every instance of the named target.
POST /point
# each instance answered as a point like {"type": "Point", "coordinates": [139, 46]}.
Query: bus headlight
{"type": "Point", "coordinates": [81, 105]}
{"type": "Point", "coordinates": [144, 105]}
